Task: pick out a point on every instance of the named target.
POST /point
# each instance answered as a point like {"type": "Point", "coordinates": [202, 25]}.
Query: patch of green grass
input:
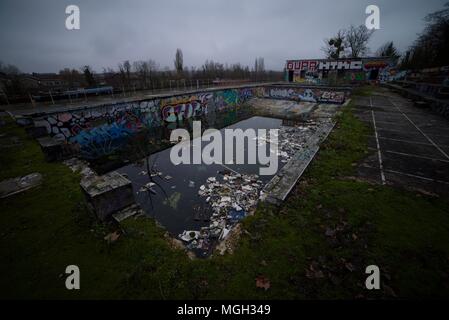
{"type": "Point", "coordinates": [316, 245]}
{"type": "Point", "coordinates": [47, 228]}
{"type": "Point", "coordinates": [365, 90]}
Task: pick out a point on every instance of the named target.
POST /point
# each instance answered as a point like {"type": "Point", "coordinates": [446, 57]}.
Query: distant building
{"type": "Point", "coordinates": [44, 82]}
{"type": "Point", "coordinates": [346, 70]}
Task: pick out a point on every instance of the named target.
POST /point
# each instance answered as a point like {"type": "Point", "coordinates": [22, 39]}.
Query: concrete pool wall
{"type": "Point", "coordinates": [98, 130]}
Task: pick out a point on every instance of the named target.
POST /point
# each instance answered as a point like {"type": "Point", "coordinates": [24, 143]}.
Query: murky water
{"type": "Point", "coordinates": [173, 199]}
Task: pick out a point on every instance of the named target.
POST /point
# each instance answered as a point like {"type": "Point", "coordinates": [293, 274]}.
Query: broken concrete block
{"type": "Point", "coordinates": [24, 120]}
{"type": "Point", "coordinates": [108, 193]}
{"type": "Point", "coordinates": [132, 210]}
{"type": "Point", "coordinates": [13, 186]}
{"type": "Point", "coordinates": [36, 132]}
{"type": "Point", "coordinates": [51, 148]}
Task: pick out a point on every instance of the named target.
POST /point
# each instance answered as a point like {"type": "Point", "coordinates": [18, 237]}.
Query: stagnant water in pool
{"type": "Point", "coordinates": [174, 197]}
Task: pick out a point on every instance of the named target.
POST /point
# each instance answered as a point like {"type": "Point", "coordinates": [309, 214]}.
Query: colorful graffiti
{"type": "Point", "coordinates": [321, 70]}
{"type": "Point", "coordinates": [102, 130]}
{"type": "Point", "coordinates": [102, 140]}
{"type": "Point", "coordinates": [306, 94]}
{"type": "Point", "coordinates": [332, 97]}
{"type": "Point", "coordinates": [355, 76]}
{"type": "Point", "coordinates": [182, 108]}
{"type": "Point", "coordinates": [65, 126]}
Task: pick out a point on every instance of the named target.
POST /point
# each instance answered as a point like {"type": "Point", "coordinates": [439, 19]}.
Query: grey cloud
{"type": "Point", "coordinates": [33, 34]}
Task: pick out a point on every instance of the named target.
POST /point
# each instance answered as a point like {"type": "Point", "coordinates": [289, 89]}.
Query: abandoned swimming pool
{"type": "Point", "coordinates": [196, 203]}
{"type": "Point", "coordinates": [200, 203]}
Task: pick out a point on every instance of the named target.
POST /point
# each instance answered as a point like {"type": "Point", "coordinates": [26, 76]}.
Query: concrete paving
{"type": "Point", "coordinates": [410, 145]}
{"type": "Point", "coordinates": [91, 102]}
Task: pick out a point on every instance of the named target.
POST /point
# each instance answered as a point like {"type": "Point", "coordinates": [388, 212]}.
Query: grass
{"type": "Point", "coordinates": [316, 245]}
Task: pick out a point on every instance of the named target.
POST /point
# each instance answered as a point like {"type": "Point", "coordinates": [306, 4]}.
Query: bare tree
{"type": "Point", "coordinates": [9, 69]}
{"type": "Point", "coordinates": [388, 50]}
{"type": "Point", "coordinates": [431, 49]}
{"type": "Point", "coordinates": [71, 76]}
{"type": "Point", "coordinates": [179, 61]}
{"type": "Point", "coordinates": [152, 69]}
{"type": "Point", "coordinates": [89, 76]}
{"type": "Point", "coordinates": [356, 40]}
{"type": "Point", "coordinates": [127, 67]}
{"type": "Point", "coordinates": [334, 47]}
{"type": "Point", "coordinates": [142, 70]}
{"type": "Point", "coordinates": [259, 68]}
{"type": "Point", "coordinates": [125, 73]}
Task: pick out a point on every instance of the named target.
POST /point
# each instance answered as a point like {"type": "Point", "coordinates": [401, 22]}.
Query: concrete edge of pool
{"type": "Point", "coordinates": [274, 192]}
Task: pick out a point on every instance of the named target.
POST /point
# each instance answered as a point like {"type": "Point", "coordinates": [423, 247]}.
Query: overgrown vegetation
{"type": "Point", "coordinates": [316, 245]}
{"type": "Point", "coordinates": [431, 48]}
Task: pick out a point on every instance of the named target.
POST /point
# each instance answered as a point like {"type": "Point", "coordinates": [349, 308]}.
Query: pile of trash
{"type": "Point", "coordinates": [290, 139]}
{"type": "Point", "coordinates": [231, 199]}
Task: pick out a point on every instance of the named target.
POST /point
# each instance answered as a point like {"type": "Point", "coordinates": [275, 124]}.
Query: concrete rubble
{"type": "Point", "coordinates": [109, 195]}
{"type": "Point", "coordinates": [132, 210]}
{"type": "Point", "coordinates": [231, 196]}
{"type": "Point", "coordinates": [13, 186]}
{"type": "Point", "coordinates": [52, 148]}
{"type": "Point", "coordinates": [81, 166]}
{"type": "Point", "coordinates": [282, 183]}
{"type": "Point", "coordinates": [291, 139]}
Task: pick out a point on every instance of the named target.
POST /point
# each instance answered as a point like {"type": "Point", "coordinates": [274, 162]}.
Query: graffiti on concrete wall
{"type": "Point", "coordinates": [355, 76]}
{"type": "Point", "coordinates": [180, 108]}
{"type": "Point", "coordinates": [282, 93]}
{"type": "Point", "coordinates": [133, 116]}
{"type": "Point", "coordinates": [305, 94]}
{"type": "Point", "coordinates": [351, 70]}
{"type": "Point", "coordinates": [332, 97]}
{"type": "Point", "coordinates": [315, 65]}
{"type": "Point", "coordinates": [102, 130]}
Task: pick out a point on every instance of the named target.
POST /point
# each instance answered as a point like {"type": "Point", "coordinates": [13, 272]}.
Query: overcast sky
{"type": "Point", "coordinates": [34, 38]}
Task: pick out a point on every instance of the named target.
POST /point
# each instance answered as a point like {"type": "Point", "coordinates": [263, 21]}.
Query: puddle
{"type": "Point", "coordinates": [173, 199]}
{"type": "Point", "coordinates": [200, 203]}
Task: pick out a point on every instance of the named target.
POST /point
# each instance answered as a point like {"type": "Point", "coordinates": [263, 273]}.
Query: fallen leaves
{"type": "Point", "coordinates": [313, 272]}
{"type": "Point", "coordinates": [112, 237]}
{"type": "Point", "coordinates": [263, 282]}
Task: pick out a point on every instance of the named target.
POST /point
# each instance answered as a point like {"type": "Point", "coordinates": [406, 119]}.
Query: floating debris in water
{"type": "Point", "coordinates": [192, 184]}
{"type": "Point", "coordinates": [228, 201]}
{"type": "Point", "coordinates": [156, 173]}
{"type": "Point", "coordinates": [150, 184]}
{"type": "Point", "coordinates": [189, 235]}
{"type": "Point", "coordinates": [290, 139]}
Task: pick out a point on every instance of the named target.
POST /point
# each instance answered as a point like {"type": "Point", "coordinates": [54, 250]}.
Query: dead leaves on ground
{"type": "Point", "coordinates": [112, 237]}
{"type": "Point", "coordinates": [263, 282]}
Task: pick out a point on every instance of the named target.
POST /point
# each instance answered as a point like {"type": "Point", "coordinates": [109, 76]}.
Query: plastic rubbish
{"type": "Point", "coordinates": [235, 216]}
{"type": "Point", "coordinates": [189, 235]}
{"type": "Point", "coordinates": [228, 199]}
